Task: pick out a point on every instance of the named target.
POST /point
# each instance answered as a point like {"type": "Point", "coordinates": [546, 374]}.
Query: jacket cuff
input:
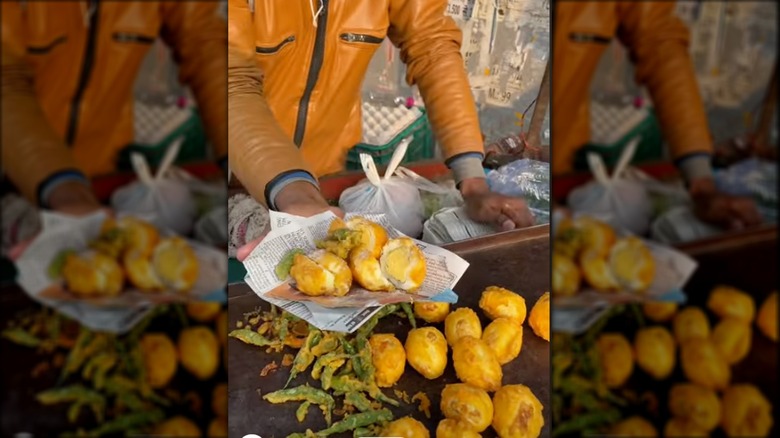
{"type": "Point", "coordinates": [695, 166]}
{"type": "Point", "coordinates": [284, 179]}
{"type": "Point", "coordinates": [466, 166]}
{"type": "Point", "coordinates": [55, 180]}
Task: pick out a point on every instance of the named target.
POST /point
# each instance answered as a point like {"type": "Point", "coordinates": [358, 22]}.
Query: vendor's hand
{"type": "Point", "coordinates": [718, 208]}
{"type": "Point", "coordinates": [74, 198]}
{"type": "Point", "coordinates": [482, 205]}
{"type": "Point", "coordinates": [299, 199]}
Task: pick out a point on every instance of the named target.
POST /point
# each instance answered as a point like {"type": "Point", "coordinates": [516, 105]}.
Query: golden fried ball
{"type": "Point", "coordinates": [321, 273]}
{"type": "Point", "coordinates": [654, 349]}
{"type": "Point", "coordinates": [177, 427]}
{"type": "Point", "coordinates": [732, 339]}
{"type": "Point", "coordinates": [476, 364]}
{"type": "Point", "coordinates": [498, 302]}
{"type": "Point", "coordinates": [566, 276]}
{"type": "Point", "coordinates": [726, 301]}
{"type": "Point", "coordinates": [450, 428]}
{"type": "Point", "coordinates": [702, 364]}
{"type": "Point", "coordinates": [517, 413]}
{"type": "Point", "coordinates": [219, 402]}
{"type": "Point", "coordinates": [141, 235]}
{"type": "Point", "coordinates": [746, 412]}
{"type": "Point", "coordinates": [767, 317]}
{"type": "Point", "coordinates": [462, 322]}
{"type": "Point", "coordinates": [222, 327]}
{"type": "Point", "coordinates": [697, 405]}
{"type": "Point", "coordinates": [430, 311]}
{"type": "Point", "coordinates": [469, 405]}
{"type": "Point", "coordinates": [389, 358]}
{"type": "Point", "coordinates": [403, 263]}
{"type": "Point", "coordinates": [616, 358]}
{"type": "Point", "coordinates": [366, 271]}
{"type": "Point", "coordinates": [539, 318]}
{"type": "Point", "coordinates": [632, 264]}
{"type": "Point", "coordinates": [634, 426]}
{"type": "Point", "coordinates": [203, 311]}
{"type": "Point", "coordinates": [598, 237]}
{"type": "Point", "coordinates": [691, 323]}
{"type": "Point", "coordinates": [426, 351]}
{"type": "Point", "coordinates": [199, 351]}
{"type": "Point", "coordinates": [140, 271]}
{"type": "Point", "coordinates": [405, 427]}
{"type": "Point", "coordinates": [176, 264]}
{"type": "Point", "coordinates": [505, 338]}
{"type": "Point", "coordinates": [659, 311]}
{"type": "Point", "coordinates": [597, 272]}
{"type": "Point", "coordinates": [92, 274]}
{"type": "Point", "coordinates": [370, 235]}
{"type": "Point", "coordinates": [160, 358]}
{"type": "Point", "coordinates": [682, 428]}
{"type": "Point", "coordinates": [218, 428]}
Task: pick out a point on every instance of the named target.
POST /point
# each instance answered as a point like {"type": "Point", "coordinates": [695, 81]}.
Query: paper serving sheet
{"type": "Point", "coordinates": [343, 314]}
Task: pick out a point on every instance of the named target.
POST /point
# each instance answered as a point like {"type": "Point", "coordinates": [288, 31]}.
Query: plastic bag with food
{"type": "Point", "coordinates": [165, 199]}
{"type": "Point", "coordinates": [622, 202]}
{"type": "Point", "coordinates": [527, 179]}
{"type": "Point", "coordinates": [396, 194]}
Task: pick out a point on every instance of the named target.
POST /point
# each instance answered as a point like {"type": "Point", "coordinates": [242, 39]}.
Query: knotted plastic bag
{"type": "Point", "coordinates": [165, 199]}
{"type": "Point", "coordinates": [621, 201]}
{"type": "Point", "coordinates": [396, 194]}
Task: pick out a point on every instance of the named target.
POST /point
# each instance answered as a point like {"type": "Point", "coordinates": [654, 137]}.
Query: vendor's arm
{"type": "Point", "coordinates": [429, 42]}
{"type": "Point", "coordinates": [34, 156]}
{"type": "Point", "coordinates": [196, 34]}
{"type": "Point", "coordinates": [262, 156]}
{"type": "Point", "coordinates": [658, 45]}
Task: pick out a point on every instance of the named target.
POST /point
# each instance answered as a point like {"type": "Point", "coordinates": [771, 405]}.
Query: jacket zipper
{"type": "Point", "coordinates": [314, 73]}
{"type": "Point", "coordinates": [360, 38]}
{"type": "Point", "coordinates": [276, 48]}
{"type": "Point", "coordinates": [86, 71]}
{"type": "Point", "coordinates": [121, 37]}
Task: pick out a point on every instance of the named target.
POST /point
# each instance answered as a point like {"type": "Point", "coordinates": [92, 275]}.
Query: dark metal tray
{"type": "Point", "coordinates": [518, 260]}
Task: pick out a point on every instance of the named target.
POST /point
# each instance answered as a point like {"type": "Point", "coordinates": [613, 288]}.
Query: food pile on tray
{"type": "Point", "coordinates": [164, 378]}
{"type": "Point", "coordinates": [658, 370]}
{"type": "Point", "coordinates": [350, 375]}
{"type": "Point", "coordinates": [127, 252]}
{"type": "Point", "coordinates": [593, 262]}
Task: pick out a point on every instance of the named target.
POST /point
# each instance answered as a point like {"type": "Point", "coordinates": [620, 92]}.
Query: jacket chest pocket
{"type": "Point", "coordinates": [273, 48]}
{"type": "Point", "coordinates": [362, 39]}
{"type": "Point", "coordinates": [277, 26]}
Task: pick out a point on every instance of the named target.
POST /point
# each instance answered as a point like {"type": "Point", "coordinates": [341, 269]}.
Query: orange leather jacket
{"type": "Point", "coordinates": [68, 70]}
{"type": "Point", "coordinates": [294, 89]}
{"type": "Point", "coordinates": [658, 46]}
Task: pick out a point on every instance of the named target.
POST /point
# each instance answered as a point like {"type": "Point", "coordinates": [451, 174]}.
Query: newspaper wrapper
{"type": "Point", "coordinates": [672, 270]}
{"type": "Point", "coordinates": [341, 314]}
{"type": "Point", "coordinates": [62, 233]}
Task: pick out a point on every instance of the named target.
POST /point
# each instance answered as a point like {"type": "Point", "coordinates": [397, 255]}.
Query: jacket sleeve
{"type": "Point", "coordinates": [33, 154]}
{"type": "Point", "coordinates": [658, 45]}
{"type": "Point", "coordinates": [261, 154]}
{"type": "Point", "coordinates": [196, 34]}
{"type": "Point", "coordinates": [430, 42]}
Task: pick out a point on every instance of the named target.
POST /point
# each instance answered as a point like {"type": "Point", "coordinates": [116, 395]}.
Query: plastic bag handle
{"type": "Point", "coordinates": [369, 168]}
{"type": "Point", "coordinates": [598, 169]}
{"type": "Point", "coordinates": [421, 182]}
{"type": "Point", "coordinates": [169, 157]}
{"type": "Point", "coordinates": [625, 157]}
{"type": "Point", "coordinates": [398, 156]}
{"type": "Point", "coordinates": [141, 168]}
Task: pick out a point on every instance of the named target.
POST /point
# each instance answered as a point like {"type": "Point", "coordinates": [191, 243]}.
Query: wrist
{"type": "Point", "coordinates": [70, 193]}
{"type": "Point", "coordinates": [299, 193]}
{"type": "Point", "coordinates": [473, 186]}
{"type": "Point", "coordinates": [701, 187]}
